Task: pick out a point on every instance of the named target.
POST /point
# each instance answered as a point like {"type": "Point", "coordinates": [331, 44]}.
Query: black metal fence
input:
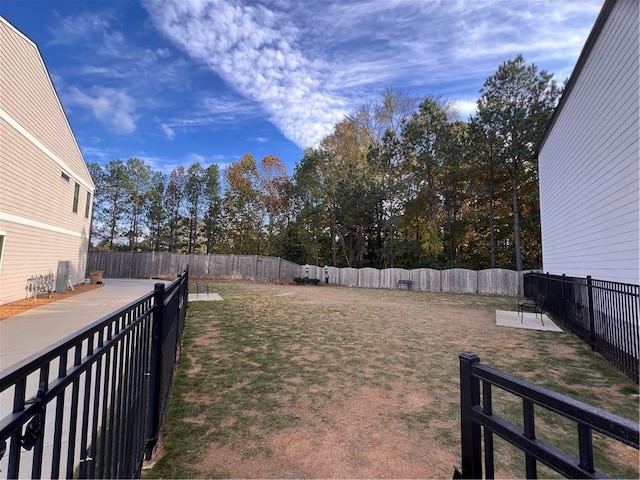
{"type": "Point", "coordinates": [91, 405]}
{"type": "Point", "coordinates": [479, 422]}
{"type": "Point", "coordinates": [602, 313]}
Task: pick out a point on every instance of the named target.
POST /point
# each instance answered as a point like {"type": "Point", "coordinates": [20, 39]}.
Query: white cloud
{"type": "Point", "coordinates": [259, 139]}
{"type": "Point", "coordinates": [113, 108]}
{"type": "Point", "coordinates": [464, 108]}
{"type": "Point", "coordinates": [105, 72]}
{"type": "Point", "coordinates": [168, 131]}
{"type": "Point", "coordinates": [76, 29]}
{"type": "Point", "coordinates": [195, 158]}
{"type": "Point", "coordinates": [254, 50]}
{"type": "Point", "coordinates": [95, 153]}
{"type": "Point", "coordinates": [307, 64]}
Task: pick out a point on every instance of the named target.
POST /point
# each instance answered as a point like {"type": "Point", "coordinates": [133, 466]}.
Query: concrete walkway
{"type": "Point", "coordinates": [34, 330]}
{"type": "Point", "coordinates": [28, 333]}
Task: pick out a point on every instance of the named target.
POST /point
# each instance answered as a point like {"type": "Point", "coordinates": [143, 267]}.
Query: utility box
{"type": "Point", "coordinates": [62, 277]}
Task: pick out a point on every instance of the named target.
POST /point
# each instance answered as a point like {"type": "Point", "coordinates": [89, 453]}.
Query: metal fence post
{"type": "Point", "coordinates": [155, 373]}
{"type": "Point", "coordinates": [471, 435]}
{"type": "Point", "coordinates": [592, 323]}
{"type": "Point", "coordinates": [563, 299]}
{"type": "Point", "coordinates": [546, 293]}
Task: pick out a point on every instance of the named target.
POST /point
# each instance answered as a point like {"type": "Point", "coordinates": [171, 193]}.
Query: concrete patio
{"type": "Point", "coordinates": [526, 320]}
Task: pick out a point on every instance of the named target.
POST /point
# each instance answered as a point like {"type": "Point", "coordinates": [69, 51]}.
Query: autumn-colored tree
{"type": "Point", "coordinates": [243, 206]}
{"type": "Point", "coordinates": [275, 186]}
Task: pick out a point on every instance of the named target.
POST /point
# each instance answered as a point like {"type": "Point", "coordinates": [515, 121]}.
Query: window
{"type": "Point", "coordinates": [87, 206]}
{"type": "Point", "coordinates": [2, 235]}
{"type": "Point", "coordinates": [64, 176]}
{"type": "Point", "coordinates": [76, 195]}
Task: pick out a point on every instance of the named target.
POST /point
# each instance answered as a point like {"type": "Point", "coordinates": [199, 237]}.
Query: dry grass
{"type": "Point", "coordinates": [292, 381]}
{"type": "Point", "coordinates": [14, 308]}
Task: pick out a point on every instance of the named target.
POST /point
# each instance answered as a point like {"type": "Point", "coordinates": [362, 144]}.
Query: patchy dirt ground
{"type": "Point", "coordinates": [322, 382]}
{"type": "Point", "coordinates": [10, 309]}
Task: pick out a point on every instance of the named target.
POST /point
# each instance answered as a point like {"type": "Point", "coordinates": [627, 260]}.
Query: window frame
{"type": "Point", "coordinates": [76, 197]}
{"type": "Point", "coordinates": [87, 205]}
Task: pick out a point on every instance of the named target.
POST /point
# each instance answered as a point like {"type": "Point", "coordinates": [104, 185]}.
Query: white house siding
{"type": "Point", "coordinates": [37, 223]}
{"type": "Point", "coordinates": [590, 162]}
{"type": "Point", "coordinates": [29, 251]}
{"type": "Point", "coordinates": [29, 97]}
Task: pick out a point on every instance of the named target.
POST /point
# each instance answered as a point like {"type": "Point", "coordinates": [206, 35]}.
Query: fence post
{"type": "Point", "coordinates": [471, 438]}
{"type": "Point", "coordinates": [155, 371]}
{"type": "Point", "coordinates": [546, 293]}
{"type": "Point", "coordinates": [564, 317]}
{"type": "Point", "coordinates": [592, 323]}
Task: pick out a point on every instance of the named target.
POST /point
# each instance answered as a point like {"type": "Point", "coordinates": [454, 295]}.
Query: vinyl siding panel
{"type": "Point", "coordinates": [31, 185]}
{"type": "Point", "coordinates": [28, 96]}
{"type": "Point", "coordinates": [31, 251]}
{"type": "Point", "coordinates": [36, 203]}
{"type": "Point", "coordinates": [590, 162]}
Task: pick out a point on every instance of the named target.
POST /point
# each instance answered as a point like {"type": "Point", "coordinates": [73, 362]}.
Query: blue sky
{"type": "Point", "coordinates": [179, 81]}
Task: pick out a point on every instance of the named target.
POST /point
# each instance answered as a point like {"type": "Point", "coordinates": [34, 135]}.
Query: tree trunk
{"type": "Point", "coordinates": [333, 235]}
{"type": "Point", "coordinates": [516, 218]}
{"type": "Point", "coordinates": [492, 234]}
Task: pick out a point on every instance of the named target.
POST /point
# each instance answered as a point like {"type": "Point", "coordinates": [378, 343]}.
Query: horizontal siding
{"type": "Point", "coordinates": [31, 185]}
{"type": "Point", "coordinates": [590, 162]}
{"type": "Point", "coordinates": [30, 251]}
{"type": "Point", "coordinates": [29, 98]}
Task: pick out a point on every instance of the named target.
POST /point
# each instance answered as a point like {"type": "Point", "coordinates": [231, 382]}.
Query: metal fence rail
{"type": "Point", "coordinates": [479, 422]}
{"type": "Point", "coordinates": [604, 314]}
{"type": "Point", "coordinates": [91, 405]}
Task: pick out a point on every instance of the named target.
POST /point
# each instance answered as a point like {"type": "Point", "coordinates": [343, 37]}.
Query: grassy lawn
{"type": "Point", "coordinates": [293, 381]}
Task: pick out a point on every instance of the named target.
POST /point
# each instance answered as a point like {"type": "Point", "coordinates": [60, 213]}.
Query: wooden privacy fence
{"type": "Point", "coordinates": [495, 281]}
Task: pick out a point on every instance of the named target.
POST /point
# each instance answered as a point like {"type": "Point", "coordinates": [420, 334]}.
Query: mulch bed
{"type": "Point", "coordinates": [10, 309]}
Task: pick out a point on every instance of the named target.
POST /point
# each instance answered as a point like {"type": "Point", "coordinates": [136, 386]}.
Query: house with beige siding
{"type": "Point", "coordinates": [589, 159]}
{"type": "Point", "coordinates": [46, 192]}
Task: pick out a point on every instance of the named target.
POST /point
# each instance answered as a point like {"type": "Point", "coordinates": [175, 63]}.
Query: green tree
{"type": "Point", "coordinates": [515, 105]}
{"type": "Point", "coordinates": [423, 137]}
{"type": "Point", "coordinates": [453, 180]}
{"type": "Point", "coordinates": [311, 236]}
{"type": "Point", "coordinates": [194, 194]}
{"type": "Point", "coordinates": [156, 213]}
{"type": "Point", "coordinates": [98, 219]}
{"type": "Point", "coordinates": [113, 196]}
{"type": "Point", "coordinates": [212, 202]}
{"type": "Point", "coordinates": [385, 160]}
{"type": "Point", "coordinates": [137, 187]}
{"type": "Point", "coordinates": [175, 207]}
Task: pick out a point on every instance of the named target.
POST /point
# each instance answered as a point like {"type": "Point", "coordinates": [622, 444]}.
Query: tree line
{"type": "Point", "coordinates": [399, 183]}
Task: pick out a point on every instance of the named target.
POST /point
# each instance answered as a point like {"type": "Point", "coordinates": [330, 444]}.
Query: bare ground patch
{"type": "Point", "coordinates": [321, 382]}
{"type": "Point", "coordinates": [361, 437]}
